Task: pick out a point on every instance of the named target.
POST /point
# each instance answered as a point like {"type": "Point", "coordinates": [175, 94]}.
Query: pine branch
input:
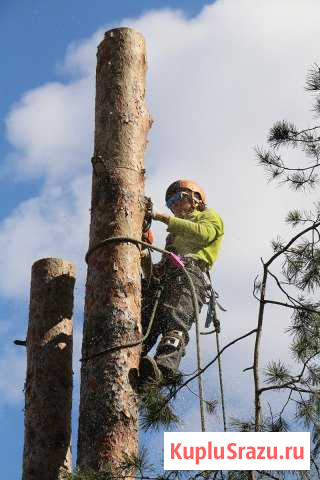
{"type": "Point", "coordinates": [203, 369]}
{"type": "Point", "coordinates": [291, 242]}
{"type": "Point", "coordinates": [287, 305]}
{"type": "Point", "coordinates": [151, 416]}
{"type": "Point", "coordinates": [313, 79]}
{"type": "Point", "coordinates": [293, 382]}
{"type": "Point", "coordinates": [267, 474]}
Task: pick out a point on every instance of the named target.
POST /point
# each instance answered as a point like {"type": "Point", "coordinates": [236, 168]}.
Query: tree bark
{"type": "Point", "coordinates": [108, 421]}
{"type": "Point", "coordinates": [48, 387]}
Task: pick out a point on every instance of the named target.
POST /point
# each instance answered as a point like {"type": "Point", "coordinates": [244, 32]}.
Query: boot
{"type": "Point", "coordinates": [149, 371]}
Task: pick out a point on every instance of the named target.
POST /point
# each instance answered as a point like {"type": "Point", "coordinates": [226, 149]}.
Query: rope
{"type": "Point", "coordinates": [124, 239]}
{"type": "Point", "coordinates": [221, 383]}
{"type": "Point", "coordinates": [196, 311]}
{"type": "Point", "coordinates": [137, 342]}
{"type": "Point", "coordinates": [212, 314]}
{"type": "Point", "coordinates": [194, 302]}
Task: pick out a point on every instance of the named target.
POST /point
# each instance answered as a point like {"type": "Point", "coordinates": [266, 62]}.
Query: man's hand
{"type": "Point", "coordinates": [148, 214]}
{"type": "Point", "coordinates": [160, 217]}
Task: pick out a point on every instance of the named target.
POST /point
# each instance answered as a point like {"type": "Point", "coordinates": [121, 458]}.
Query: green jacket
{"type": "Point", "coordinates": [199, 235]}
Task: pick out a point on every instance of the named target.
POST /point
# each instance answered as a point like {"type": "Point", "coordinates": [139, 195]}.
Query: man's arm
{"type": "Point", "coordinates": [205, 230]}
{"type": "Point", "coordinates": [160, 217]}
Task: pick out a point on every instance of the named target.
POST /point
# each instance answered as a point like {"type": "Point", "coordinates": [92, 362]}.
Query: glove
{"type": "Point", "coordinates": [148, 214]}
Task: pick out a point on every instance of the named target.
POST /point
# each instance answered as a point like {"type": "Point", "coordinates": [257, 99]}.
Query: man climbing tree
{"type": "Point", "coordinates": [195, 235]}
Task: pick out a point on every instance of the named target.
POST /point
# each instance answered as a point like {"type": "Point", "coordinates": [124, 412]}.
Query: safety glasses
{"type": "Point", "coordinates": [176, 198]}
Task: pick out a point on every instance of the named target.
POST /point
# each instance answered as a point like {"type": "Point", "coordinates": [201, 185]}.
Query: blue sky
{"type": "Point", "coordinates": [36, 34]}
{"type": "Point", "coordinates": [219, 75]}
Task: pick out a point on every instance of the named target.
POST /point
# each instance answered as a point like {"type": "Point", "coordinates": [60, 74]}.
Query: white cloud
{"type": "Point", "coordinates": [80, 57]}
{"type": "Point", "coordinates": [215, 85]}
{"type": "Point", "coordinates": [53, 225]}
{"type": "Point", "coordinates": [51, 130]}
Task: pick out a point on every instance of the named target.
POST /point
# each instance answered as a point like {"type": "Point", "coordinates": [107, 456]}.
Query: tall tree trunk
{"type": "Point", "coordinates": [108, 404]}
{"type": "Point", "coordinates": [48, 387]}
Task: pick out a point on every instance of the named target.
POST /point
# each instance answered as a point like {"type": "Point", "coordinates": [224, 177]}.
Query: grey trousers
{"type": "Point", "coordinates": [174, 316]}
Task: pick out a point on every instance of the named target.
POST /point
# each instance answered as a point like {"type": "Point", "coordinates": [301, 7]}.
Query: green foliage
{"type": "Point", "coordinates": [156, 412]}
{"type": "Point", "coordinates": [271, 162]}
{"type": "Point", "coordinates": [316, 438]}
{"type": "Point", "coordinates": [284, 133]}
{"type": "Point", "coordinates": [132, 466]}
{"type": "Point", "coordinates": [307, 411]}
{"type": "Point", "coordinates": [281, 132]}
{"type": "Point", "coordinates": [211, 406]}
{"type": "Point", "coordinates": [277, 424]}
{"type": "Point", "coordinates": [313, 79]}
{"type": "Point", "coordinates": [305, 329]}
{"type": "Point", "coordinates": [240, 425]}
{"type": "Point", "coordinates": [88, 475]}
{"type": "Point", "coordinates": [302, 265]}
{"type": "Point", "coordinates": [238, 475]}
{"type": "Point", "coordinates": [274, 423]}
{"type": "Point", "coordinates": [313, 374]}
{"type": "Point", "coordinates": [138, 464]}
{"type": "Point", "coordinates": [294, 218]}
{"type": "Point", "coordinates": [277, 245]}
{"type": "Point", "coordinates": [277, 373]}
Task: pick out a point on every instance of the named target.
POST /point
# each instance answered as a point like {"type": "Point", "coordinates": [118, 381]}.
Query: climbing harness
{"type": "Point", "coordinates": [177, 261]}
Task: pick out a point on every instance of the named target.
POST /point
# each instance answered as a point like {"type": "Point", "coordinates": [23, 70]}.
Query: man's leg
{"type": "Point", "coordinates": [169, 352]}
{"type": "Point", "coordinates": [176, 316]}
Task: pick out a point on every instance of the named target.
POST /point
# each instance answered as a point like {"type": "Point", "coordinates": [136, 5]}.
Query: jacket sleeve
{"type": "Point", "coordinates": [203, 230]}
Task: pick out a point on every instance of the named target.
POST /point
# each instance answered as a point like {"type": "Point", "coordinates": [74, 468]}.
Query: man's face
{"type": "Point", "coordinates": [181, 208]}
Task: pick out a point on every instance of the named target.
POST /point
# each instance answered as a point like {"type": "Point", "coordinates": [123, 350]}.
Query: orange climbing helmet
{"type": "Point", "coordinates": [198, 200]}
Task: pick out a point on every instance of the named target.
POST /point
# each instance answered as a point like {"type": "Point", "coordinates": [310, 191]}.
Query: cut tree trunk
{"type": "Point", "coordinates": [48, 387]}
{"type": "Point", "coordinates": [108, 422]}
